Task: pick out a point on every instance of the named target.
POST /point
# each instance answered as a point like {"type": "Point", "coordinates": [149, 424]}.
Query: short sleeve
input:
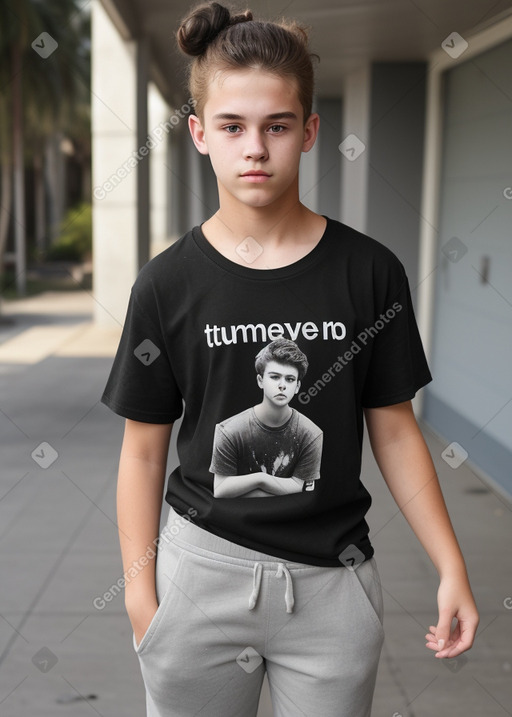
{"type": "Point", "coordinates": [398, 367]}
{"type": "Point", "coordinates": [308, 467]}
{"type": "Point", "coordinates": [141, 385]}
{"type": "Point", "coordinates": [224, 461]}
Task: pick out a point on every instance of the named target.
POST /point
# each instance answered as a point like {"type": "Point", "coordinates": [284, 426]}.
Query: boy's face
{"type": "Point", "coordinates": [280, 382]}
{"type": "Point", "coordinates": [249, 139]}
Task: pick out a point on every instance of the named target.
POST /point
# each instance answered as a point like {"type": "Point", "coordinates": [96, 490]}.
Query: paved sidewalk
{"type": "Point", "coordinates": [59, 549]}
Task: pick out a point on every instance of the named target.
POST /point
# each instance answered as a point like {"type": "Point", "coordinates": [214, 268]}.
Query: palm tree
{"type": "Point", "coordinates": [44, 78]}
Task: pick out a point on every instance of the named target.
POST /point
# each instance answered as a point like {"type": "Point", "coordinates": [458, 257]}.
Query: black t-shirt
{"type": "Point", "coordinates": [196, 321]}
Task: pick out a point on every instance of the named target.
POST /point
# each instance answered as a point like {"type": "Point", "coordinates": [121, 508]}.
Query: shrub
{"type": "Point", "coordinates": [74, 242]}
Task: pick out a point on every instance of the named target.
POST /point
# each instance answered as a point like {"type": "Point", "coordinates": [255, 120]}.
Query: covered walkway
{"type": "Point", "coordinates": [60, 655]}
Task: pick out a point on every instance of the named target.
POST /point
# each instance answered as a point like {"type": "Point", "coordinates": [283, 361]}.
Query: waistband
{"type": "Point", "coordinates": [191, 537]}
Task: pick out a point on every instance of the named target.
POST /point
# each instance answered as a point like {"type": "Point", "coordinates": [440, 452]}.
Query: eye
{"type": "Point", "coordinates": [278, 127]}
{"type": "Point", "coordinates": [230, 127]}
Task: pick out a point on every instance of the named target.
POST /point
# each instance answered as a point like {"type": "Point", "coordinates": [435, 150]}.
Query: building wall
{"type": "Point", "coordinates": [470, 400]}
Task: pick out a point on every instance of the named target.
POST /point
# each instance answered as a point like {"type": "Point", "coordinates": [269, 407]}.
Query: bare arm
{"type": "Point", "coordinates": [407, 467]}
{"type": "Point", "coordinates": [234, 486]}
{"type": "Point", "coordinates": [139, 503]}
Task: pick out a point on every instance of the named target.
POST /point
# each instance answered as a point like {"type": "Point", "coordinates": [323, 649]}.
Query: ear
{"type": "Point", "coordinates": [259, 379]}
{"type": "Point", "coordinates": [311, 131]}
{"type": "Point", "coordinates": [297, 389]}
{"type": "Point", "coordinates": [198, 134]}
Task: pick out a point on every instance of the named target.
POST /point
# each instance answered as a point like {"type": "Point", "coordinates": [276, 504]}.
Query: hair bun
{"type": "Point", "coordinates": [203, 24]}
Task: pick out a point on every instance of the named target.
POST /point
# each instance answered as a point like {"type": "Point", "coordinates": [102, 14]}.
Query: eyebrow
{"type": "Point", "coordinates": [275, 116]}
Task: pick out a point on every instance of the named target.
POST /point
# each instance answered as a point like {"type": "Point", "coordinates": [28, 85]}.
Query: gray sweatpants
{"type": "Point", "coordinates": [226, 614]}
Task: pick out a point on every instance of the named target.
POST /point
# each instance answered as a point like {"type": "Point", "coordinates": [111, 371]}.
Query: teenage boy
{"type": "Point", "coordinates": [256, 449]}
{"type": "Point", "coordinates": [217, 612]}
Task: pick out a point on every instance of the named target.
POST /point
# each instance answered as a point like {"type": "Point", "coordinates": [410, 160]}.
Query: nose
{"type": "Point", "coordinates": [255, 146]}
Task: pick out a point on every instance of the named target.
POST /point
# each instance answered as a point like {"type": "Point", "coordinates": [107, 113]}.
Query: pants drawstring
{"type": "Point", "coordinates": [256, 585]}
{"type": "Point", "coordinates": [288, 596]}
{"type": "Point", "coordinates": [258, 569]}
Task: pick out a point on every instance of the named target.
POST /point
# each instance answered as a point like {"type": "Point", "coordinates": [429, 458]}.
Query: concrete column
{"type": "Point", "coordinates": [184, 189]}
{"type": "Point", "coordinates": [159, 113]}
{"type": "Point", "coordinates": [309, 174]}
{"type": "Point", "coordinates": [397, 128]}
{"type": "Point", "coordinates": [193, 188]}
{"type": "Point", "coordinates": [174, 160]}
{"type": "Point", "coordinates": [143, 173]}
{"type": "Point", "coordinates": [120, 165]}
{"type": "Point", "coordinates": [354, 148]}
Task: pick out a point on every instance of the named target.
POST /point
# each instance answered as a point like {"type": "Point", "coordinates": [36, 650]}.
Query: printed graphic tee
{"type": "Point", "coordinates": [244, 445]}
{"type": "Point", "coordinates": [290, 486]}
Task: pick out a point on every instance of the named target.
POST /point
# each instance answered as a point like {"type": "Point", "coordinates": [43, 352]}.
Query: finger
{"type": "Point", "coordinates": [453, 651]}
{"type": "Point", "coordinates": [456, 646]}
{"type": "Point", "coordinates": [442, 630]}
{"type": "Point", "coordinates": [432, 646]}
{"type": "Point", "coordinates": [430, 637]}
{"type": "Point", "coordinates": [432, 634]}
{"type": "Point", "coordinates": [463, 640]}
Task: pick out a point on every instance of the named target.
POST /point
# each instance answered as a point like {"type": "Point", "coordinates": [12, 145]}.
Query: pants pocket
{"type": "Point", "coordinates": [168, 562]}
{"type": "Point", "coordinates": [366, 580]}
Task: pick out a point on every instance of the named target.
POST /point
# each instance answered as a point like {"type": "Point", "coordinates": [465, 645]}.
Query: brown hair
{"type": "Point", "coordinates": [221, 41]}
{"type": "Point", "coordinates": [282, 351]}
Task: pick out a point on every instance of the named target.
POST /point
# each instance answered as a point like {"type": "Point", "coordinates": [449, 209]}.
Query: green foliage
{"type": "Point", "coordinates": [74, 242]}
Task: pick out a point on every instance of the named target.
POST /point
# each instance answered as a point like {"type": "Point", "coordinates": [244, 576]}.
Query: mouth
{"type": "Point", "coordinates": [255, 173]}
{"type": "Point", "coordinates": [255, 176]}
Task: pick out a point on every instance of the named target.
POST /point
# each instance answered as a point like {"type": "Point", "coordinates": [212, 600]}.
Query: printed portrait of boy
{"type": "Point", "coordinates": [269, 449]}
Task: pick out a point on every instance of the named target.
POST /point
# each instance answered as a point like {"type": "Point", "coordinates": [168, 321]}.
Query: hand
{"type": "Point", "coordinates": [454, 600]}
{"type": "Point", "coordinates": [141, 612]}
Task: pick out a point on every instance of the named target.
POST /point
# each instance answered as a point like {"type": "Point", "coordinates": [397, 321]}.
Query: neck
{"type": "Point", "coordinates": [273, 416]}
{"type": "Point", "coordinates": [270, 225]}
